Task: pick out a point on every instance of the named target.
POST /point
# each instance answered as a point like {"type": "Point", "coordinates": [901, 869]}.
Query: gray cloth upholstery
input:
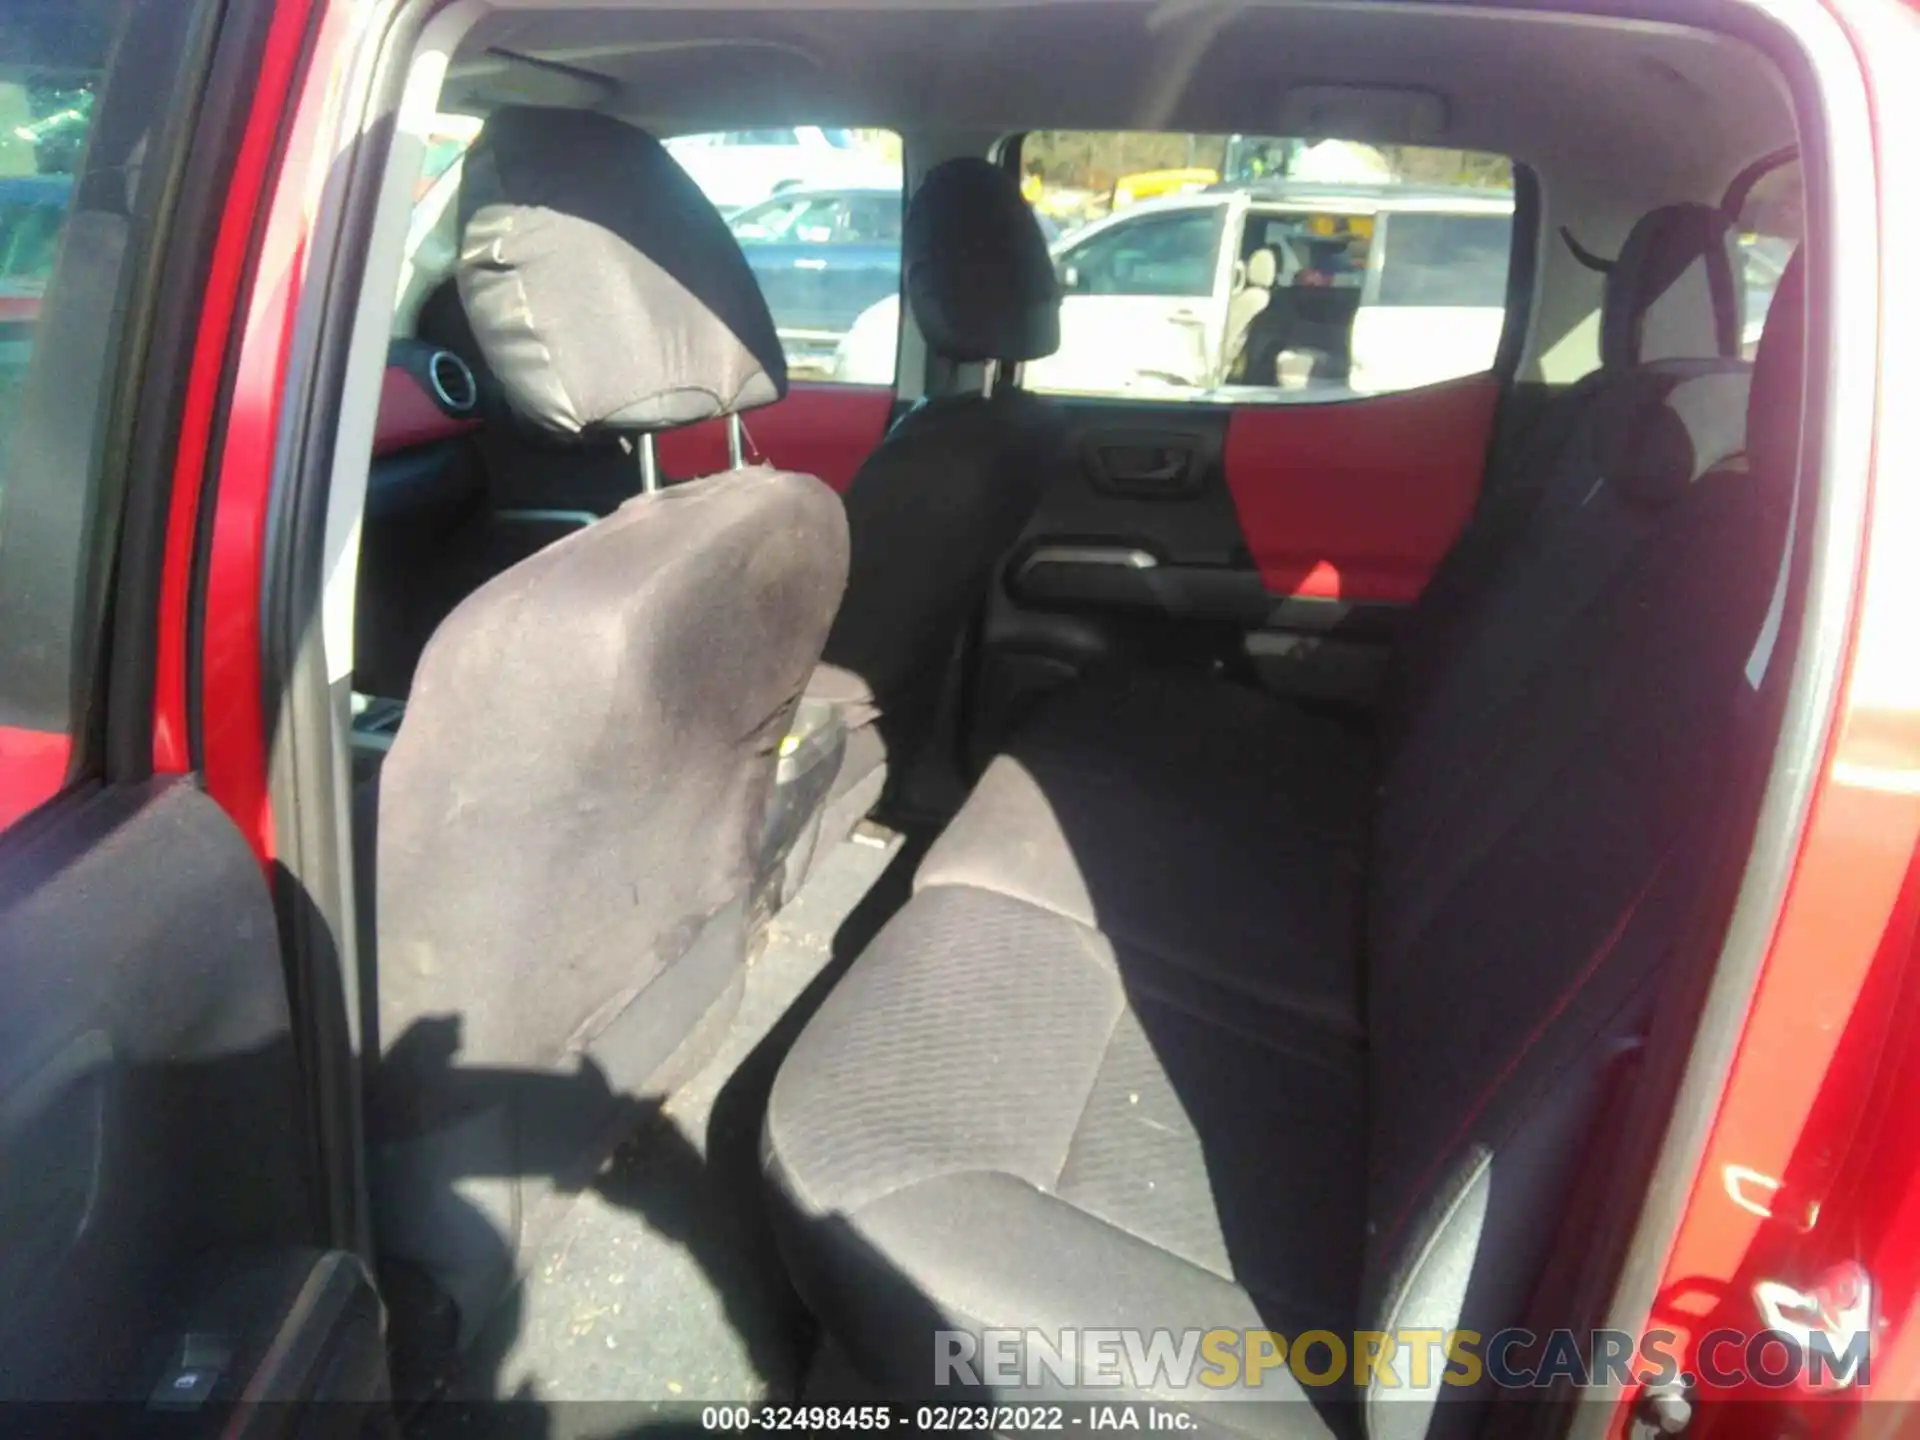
{"type": "Point", "coordinates": [1195, 822]}
{"type": "Point", "coordinates": [975, 268]}
{"type": "Point", "coordinates": [1002, 1117]}
{"type": "Point", "coordinates": [568, 823]}
{"type": "Point", "coordinates": [570, 818]}
{"type": "Point", "coordinates": [604, 290]}
{"type": "Point", "coordinates": [1057, 1090]}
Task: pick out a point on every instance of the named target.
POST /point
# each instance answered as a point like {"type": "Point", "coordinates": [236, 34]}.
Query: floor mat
{"type": "Point", "coordinates": [661, 1288]}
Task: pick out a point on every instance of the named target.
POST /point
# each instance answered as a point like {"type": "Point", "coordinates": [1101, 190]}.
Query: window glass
{"type": "Point", "coordinates": [1770, 226]}
{"type": "Point", "coordinates": [76, 199]}
{"type": "Point", "coordinates": [817, 213]}
{"type": "Point", "coordinates": [1155, 255]}
{"type": "Point", "coordinates": [1268, 269]}
{"type": "Point", "coordinates": [1445, 260]}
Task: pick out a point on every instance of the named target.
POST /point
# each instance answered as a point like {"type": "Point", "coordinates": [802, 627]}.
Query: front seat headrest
{"type": "Point", "coordinates": [603, 288]}
{"type": "Point", "coordinates": [1262, 270]}
{"type": "Point", "coordinates": [1779, 380]}
{"type": "Point", "coordinates": [1671, 293]}
{"type": "Point", "coordinates": [975, 266]}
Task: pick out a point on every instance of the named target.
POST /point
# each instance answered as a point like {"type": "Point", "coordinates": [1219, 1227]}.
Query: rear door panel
{"type": "Point", "coordinates": [1358, 500]}
{"type": "Point", "coordinates": [818, 429]}
{"type": "Point", "coordinates": [1277, 542]}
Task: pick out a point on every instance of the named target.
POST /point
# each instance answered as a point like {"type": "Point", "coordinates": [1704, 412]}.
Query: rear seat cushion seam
{"type": "Point", "coordinates": [1154, 953]}
{"type": "Point", "coordinates": [1147, 991]}
{"type": "Point", "coordinates": [907, 1186]}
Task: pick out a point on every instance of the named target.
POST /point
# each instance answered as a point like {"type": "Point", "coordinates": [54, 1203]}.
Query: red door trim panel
{"type": "Point", "coordinates": [823, 430]}
{"type": "Point", "coordinates": [409, 416]}
{"type": "Point", "coordinates": [1359, 499]}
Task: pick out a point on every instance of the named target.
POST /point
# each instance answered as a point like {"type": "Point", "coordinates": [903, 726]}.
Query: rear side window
{"type": "Point", "coordinates": [1258, 269]}
{"type": "Point", "coordinates": [77, 199]}
{"type": "Point", "coordinates": [1770, 222]}
{"type": "Point", "coordinates": [817, 213]}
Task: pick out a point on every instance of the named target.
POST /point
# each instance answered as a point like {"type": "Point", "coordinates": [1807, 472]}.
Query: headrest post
{"type": "Point", "coordinates": [649, 464]}
{"type": "Point", "coordinates": [736, 442]}
{"type": "Point", "coordinates": [989, 376]}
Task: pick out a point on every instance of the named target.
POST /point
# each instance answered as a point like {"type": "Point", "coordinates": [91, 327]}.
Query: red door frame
{"type": "Point", "coordinates": [231, 423]}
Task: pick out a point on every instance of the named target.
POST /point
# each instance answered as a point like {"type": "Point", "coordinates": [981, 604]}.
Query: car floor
{"type": "Point", "coordinates": [661, 1288]}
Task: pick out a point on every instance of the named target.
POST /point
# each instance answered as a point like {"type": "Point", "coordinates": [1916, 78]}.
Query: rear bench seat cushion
{"type": "Point", "coordinates": [999, 1117]}
{"type": "Point", "coordinates": [1198, 823]}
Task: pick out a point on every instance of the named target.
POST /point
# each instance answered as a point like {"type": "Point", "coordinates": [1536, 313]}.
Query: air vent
{"type": "Point", "coordinates": [453, 383]}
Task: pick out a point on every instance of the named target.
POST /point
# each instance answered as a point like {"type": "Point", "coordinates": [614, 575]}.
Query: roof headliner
{"type": "Point", "coordinates": [1680, 109]}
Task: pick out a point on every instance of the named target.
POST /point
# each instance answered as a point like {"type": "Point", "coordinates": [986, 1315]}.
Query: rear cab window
{"type": "Point", "coordinates": [1261, 269]}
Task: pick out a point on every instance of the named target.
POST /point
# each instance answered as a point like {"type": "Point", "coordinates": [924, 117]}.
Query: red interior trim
{"type": "Point", "coordinates": [33, 767]}
{"type": "Point", "coordinates": [409, 416]}
{"type": "Point", "coordinates": [817, 429]}
{"type": "Point", "coordinates": [1359, 499]}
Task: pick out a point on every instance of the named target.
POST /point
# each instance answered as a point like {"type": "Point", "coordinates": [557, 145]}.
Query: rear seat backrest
{"type": "Point", "coordinates": [1576, 809]}
{"type": "Point", "coordinates": [1669, 317]}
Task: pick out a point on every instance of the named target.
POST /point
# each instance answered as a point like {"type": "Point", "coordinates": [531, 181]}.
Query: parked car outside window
{"type": "Point", "coordinates": [822, 257]}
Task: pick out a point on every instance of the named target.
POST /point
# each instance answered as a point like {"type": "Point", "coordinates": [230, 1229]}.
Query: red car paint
{"type": "Point", "coordinates": [231, 704]}
{"type": "Point", "coordinates": [823, 430]}
{"type": "Point", "coordinates": [1328, 503]}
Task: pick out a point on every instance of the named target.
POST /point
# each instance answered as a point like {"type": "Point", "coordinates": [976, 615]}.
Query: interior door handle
{"type": "Point", "coordinates": [1151, 466]}
{"type": "Point", "coordinates": [1167, 467]}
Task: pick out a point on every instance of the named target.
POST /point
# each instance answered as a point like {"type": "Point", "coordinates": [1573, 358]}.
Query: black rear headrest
{"type": "Point", "coordinates": [1671, 292]}
{"type": "Point", "coordinates": [1779, 380]}
{"type": "Point", "coordinates": [975, 266]}
{"type": "Point", "coordinates": [1661, 428]}
{"type": "Point", "coordinates": [603, 288]}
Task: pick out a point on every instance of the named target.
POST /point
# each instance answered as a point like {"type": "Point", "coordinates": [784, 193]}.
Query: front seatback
{"type": "Point", "coordinates": [951, 486]}
{"type": "Point", "coordinates": [568, 816]}
{"type": "Point", "coordinates": [1541, 851]}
